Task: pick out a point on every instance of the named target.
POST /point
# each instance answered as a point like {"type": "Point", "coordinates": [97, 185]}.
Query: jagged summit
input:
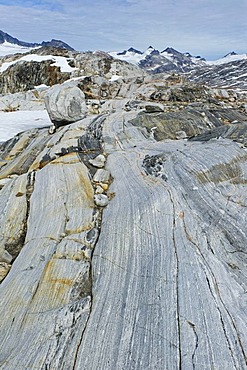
{"type": "Point", "coordinates": [154, 61]}
{"type": "Point", "coordinates": [133, 50]}
{"type": "Point", "coordinates": [171, 50]}
{"type": "Point", "coordinates": [130, 50]}
{"type": "Point", "coordinates": [229, 54]}
{"type": "Point", "coordinates": [6, 38]}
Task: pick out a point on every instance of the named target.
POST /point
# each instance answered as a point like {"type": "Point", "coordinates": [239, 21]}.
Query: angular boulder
{"type": "Point", "coordinates": [65, 104]}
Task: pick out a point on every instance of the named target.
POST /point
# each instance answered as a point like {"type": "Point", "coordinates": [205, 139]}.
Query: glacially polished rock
{"type": "Point", "coordinates": [154, 280]}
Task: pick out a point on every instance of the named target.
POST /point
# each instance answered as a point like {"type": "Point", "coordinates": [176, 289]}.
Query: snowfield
{"type": "Point", "coordinates": [130, 56]}
{"type": "Point", "coordinates": [12, 123]}
{"type": "Point", "coordinates": [227, 59]}
{"type": "Point", "coordinates": [61, 62]}
{"type": "Point", "coordinates": [7, 49]}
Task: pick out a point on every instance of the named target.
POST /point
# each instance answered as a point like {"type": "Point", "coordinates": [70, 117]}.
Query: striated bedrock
{"type": "Point", "coordinates": [122, 238]}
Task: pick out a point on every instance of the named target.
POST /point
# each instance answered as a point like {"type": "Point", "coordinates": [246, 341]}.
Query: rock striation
{"type": "Point", "coordinates": [130, 236]}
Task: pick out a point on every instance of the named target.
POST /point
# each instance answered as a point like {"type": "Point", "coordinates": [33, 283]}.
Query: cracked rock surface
{"type": "Point", "coordinates": [126, 242]}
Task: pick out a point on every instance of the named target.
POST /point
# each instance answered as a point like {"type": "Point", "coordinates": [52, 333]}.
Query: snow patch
{"type": "Point", "coordinates": [41, 87]}
{"type": "Point", "coordinates": [132, 56]}
{"type": "Point", "coordinates": [7, 48]}
{"type": "Point", "coordinates": [129, 57]}
{"type": "Point", "coordinates": [227, 59]}
{"type": "Point", "coordinates": [58, 61]}
{"type": "Point", "coordinates": [12, 123]}
{"type": "Point", "coordinates": [115, 78]}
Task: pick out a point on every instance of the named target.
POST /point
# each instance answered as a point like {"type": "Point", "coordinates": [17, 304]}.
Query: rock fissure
{"type": "Point", "coordinates": [177, 282]}
{"type": "Point", "coordinates": [196, 344]}
{"type": "Point", "coordinates": [16, 246]}
{"type": "Point", "coordinates": [222, 324]}
{"type": "Point", "coordinates": [93, 135]}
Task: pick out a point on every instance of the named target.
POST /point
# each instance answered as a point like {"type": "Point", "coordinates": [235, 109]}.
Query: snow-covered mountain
{"type": "Point", "coordinates": [11, 45]}
{"type": "Point", "coordinates": [228, 58]}
{"type": "Point", "coordinates": [231, 74]}
{"type": "Point", "coordinates": [155, 61]}
{"type": "Point", "coordinates": [228, 71]}
{"type": "Point", "coordinates": [6, 48]}
{"type": "Point", "coordinates": [171, 60]}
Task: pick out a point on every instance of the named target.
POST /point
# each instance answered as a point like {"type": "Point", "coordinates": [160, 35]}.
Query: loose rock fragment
{"type": "Point", "coordinates": [102, 176]}
{"type": "Point", "coordinates": [98, 162]}
{"type": "Point", "coordinates": [99, 190]}
{"type": "Point", "coordinates": [5, 256]}
{"type": "Point", "coordinates": [4, 269]}
{"type": "Point", "coordinates": [101, 200]}
{"type": "Point", "coordinates": [153, 108]}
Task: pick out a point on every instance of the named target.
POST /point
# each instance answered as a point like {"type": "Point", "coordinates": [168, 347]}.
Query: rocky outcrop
{"type": "Point", "coordinates": [129, 239]}
{"type": "Point", "coordinates": [26, 100]}
{"type": "Point", "coordinates": [26, 75]}
{"type": "Point", "coordinates": [236, 132]}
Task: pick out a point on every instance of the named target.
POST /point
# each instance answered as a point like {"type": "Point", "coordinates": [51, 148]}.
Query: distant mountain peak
{"type": "Point", "coordinates": [171, 50]}
{"type": "Point", "coordinates": [187, 54]}
{"type": "Point", "coordinates": [154, 61]}
{"type": "Point", "coordinates": [57, 44]}
{"type": "Point", "coordinates": [5, 37]}
{"type": "Point", "coordinates": [229, 54]}
{"type": "Point", "coordinates": [133, 50]}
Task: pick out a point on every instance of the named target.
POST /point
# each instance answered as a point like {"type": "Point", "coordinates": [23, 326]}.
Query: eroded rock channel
{"type": "Point", "coordinates": [123, 234]}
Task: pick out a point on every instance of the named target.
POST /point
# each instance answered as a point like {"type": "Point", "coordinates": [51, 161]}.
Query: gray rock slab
{"type": "Point", "coordinates": [169, 264]}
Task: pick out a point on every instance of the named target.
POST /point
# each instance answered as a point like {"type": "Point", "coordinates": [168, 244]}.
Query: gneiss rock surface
{"type": "Point", "coordinates": [143, 260]}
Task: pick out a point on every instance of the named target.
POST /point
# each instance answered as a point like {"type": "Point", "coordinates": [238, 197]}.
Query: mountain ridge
{"type": "Point", "coordinates": [228, 71]}
{"type": "Point", "coordinates": [184, 59]}
{"type": "Point", "coordinates": [5, 37]}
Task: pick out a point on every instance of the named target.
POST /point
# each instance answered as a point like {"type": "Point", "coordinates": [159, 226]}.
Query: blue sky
{"type": "Point", "coordinates": [210, 28]}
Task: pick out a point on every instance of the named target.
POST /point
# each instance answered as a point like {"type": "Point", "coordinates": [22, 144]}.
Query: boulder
{"type": "Point", "coordinates": [65, 104]}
